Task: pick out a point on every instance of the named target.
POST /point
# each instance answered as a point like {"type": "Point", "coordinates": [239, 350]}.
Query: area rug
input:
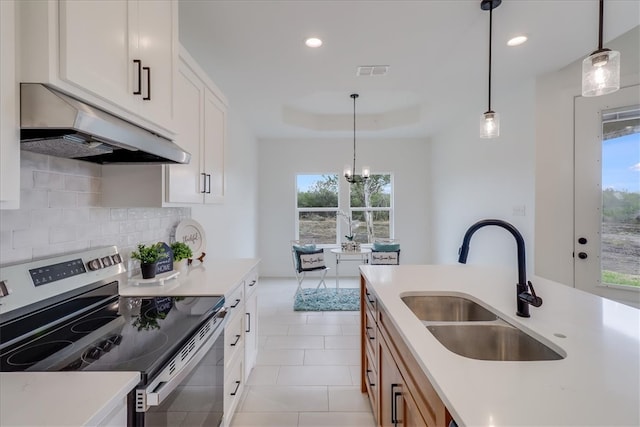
{"type": "Point", "coordinates": [343, 299]}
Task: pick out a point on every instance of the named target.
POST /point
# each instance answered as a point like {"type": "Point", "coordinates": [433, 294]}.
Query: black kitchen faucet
{"type": "Point", "coordinates": [523, 297]}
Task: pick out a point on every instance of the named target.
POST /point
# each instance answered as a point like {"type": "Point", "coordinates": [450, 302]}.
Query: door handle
{"type": "Point", "coordinates": [208, 183]}
{"type": "Point", "coordinates": [233, 344]}
{"type": "Point", "coordinates": [148, 70]}
{"type": "Point", "coordinates": [204, 182]}
{"type": "Point", "coordinates": [236, 390]}
{"type": "Point", "coordinates": [394, 404]}
{"type": "Point", "coordinates": [139, 64]}
{"type": "Point", "coordinates": [582, 255]}
{"type": "Point", "coordinates": [248, 323]}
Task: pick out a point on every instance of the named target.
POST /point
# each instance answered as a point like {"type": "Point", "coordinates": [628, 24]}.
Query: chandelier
{"type": "Point", "coordinates": [349, 174]}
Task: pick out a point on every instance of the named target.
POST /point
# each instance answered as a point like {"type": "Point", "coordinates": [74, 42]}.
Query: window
{"type": "Point", "coordinates": [370, 204]}
{"type": "Point", "coordinates": [321, 197]}
{"type": "Point", "coordinates": [317, 207]}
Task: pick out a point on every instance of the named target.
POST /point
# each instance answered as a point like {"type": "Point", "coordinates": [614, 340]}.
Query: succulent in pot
{"type": "Point", "coordinates": [181, 253]}
{"type": "Point", "coordinates": [149, 257]}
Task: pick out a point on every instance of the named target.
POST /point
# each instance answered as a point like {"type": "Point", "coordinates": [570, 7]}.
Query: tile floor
{"type": "Point", "coordinates": [307, 372]}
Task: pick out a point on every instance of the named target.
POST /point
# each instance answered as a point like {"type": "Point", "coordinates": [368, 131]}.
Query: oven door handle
{"type": "Point", "coordinates": [160, 388]}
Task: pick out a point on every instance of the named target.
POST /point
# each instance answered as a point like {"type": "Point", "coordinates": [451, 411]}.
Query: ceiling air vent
{"type": "Point", "coordinates": [372, 70]}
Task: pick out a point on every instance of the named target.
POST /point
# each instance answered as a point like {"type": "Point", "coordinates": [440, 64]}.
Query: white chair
{"type": "Point", "coordinates": [308, 261]}
{"type": "Point", "coordinates": [385, 253]}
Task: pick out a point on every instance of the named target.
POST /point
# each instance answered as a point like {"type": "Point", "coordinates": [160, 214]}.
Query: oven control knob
{"type": "Point", "coordinates": [94, 353]}
{"type": "Point", "coordinates": [106, 346]}
{"type": "Point", "coordinates": [94, 264]}
{"type": "Point", "coordinates": [117, 259]}
{"type": "Point", "coordinates": [106, 261]}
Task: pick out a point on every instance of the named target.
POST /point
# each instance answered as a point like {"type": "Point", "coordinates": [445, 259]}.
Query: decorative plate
{"type": "Point", "coordinates": [190, 232]}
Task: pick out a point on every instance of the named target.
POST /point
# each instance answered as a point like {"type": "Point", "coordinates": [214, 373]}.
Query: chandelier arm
{"type": "Point", "coordinates": [354, 133]}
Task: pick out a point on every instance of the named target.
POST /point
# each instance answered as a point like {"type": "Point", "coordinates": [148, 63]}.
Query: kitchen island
{"type": "Point", "coordinates": [596, 383]}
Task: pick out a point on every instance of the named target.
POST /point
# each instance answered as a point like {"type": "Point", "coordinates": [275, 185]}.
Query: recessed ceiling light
{"type": "Point", "coordinates": [313, 42]}
{"type": "Point", "coordinates": [517, 41]}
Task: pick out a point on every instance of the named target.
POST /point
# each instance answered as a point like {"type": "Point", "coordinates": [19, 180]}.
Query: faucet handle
{"type": "Point", "coordinates": [531, 298]}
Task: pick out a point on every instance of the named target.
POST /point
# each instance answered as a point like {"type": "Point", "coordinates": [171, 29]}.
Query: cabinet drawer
{"type": "Point", "coordinates": [370, 332]}
{"type": "Point", "coordinates": [234, 302]}
{"type": "Point", "coordinates": [233, 341]}
{"type": "Point", "coordinates": [233, 388]}
{"type": "Point", "coordinates": [250, 283]}
{"type": "Point", "coordinates": [371, 380]}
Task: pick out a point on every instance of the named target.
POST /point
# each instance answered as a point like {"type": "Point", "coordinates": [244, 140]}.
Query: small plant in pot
{"type": "Point", "coordinates": [149, 257]}
{"type": "Point", "coordinates": [181, 253]}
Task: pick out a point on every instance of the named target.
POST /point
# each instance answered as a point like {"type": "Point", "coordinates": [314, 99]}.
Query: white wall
{"type": "Point", "coordinates": [474, 179]}
{"type": "Point", "coordinates": [282, 160]}
{"type": "Point", "coordinates": [555, 94]}
{"type": "Point", "coordinates": [231, 228]}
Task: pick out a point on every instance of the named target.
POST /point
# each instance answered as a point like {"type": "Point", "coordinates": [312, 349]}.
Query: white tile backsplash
{"type": "Point", "coordinates": [60, 212]}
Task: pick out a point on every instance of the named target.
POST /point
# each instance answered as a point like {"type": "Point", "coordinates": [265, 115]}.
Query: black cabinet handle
{"type": "Point", "coordinates": [233, 344]}
{"type": "Point", "coordinates": [139, 64]}
{"type": "Point", "coordinates": [371, 301]}
{"type": "Point", "coordinates": [236, 390]}
{"type": "Point", "coordinates": [394, 404]}
{"type": "Point", "coordinates": [368, 379]}
{"type": "Point", "coordinates": [204, 182]}
{"type": "Point", "coordinates": [208, 183]}
{"type": "Point", "coordinates": [253, 282]}
{"type": "Point", "coordinates": [248, 322]}
{"type": "Point", "coordinates": [367, 332]}
{"type": "Point", "coordinates": [148, 70]}
{"type": "Point", "coordinates": [582, 255]}
{"type": "Point", "coordinates": [236, 304]}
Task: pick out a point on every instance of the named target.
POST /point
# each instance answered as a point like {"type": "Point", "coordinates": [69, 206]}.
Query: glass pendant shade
{"type": "Point", "coordinates": [490, 125]}
{"type": "Point", "coordinates": [347, 172]}
{"type": "Point", "coordinates": [601, 73]}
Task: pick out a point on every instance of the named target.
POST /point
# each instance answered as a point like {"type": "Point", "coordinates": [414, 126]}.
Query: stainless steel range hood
{"type": "Point", "coordinates": [56, 124]}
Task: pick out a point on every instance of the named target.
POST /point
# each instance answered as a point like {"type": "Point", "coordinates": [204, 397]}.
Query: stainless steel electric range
{"type": "Point", "coordinates": [64, 313]}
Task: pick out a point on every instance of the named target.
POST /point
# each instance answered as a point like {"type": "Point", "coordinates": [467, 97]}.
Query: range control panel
{"type": "Point", "coordinates": [51, 273]}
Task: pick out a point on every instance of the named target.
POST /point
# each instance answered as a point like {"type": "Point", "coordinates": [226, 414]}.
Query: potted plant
{"type": "Point", "coordinates": [149, 257]}
{"type": "Point", "coordinates": [181, 253]}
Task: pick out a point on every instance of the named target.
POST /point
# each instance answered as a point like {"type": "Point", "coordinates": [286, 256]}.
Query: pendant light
{"type": "Point", "coordinates": [490, 120]}
{"type": "Point", "coordinates": [601, 69]}
{"type": "Point", "coordinates": [348, 171]}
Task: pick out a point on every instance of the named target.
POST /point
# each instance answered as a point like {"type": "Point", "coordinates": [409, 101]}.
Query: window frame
{"type": "Point", "coordinates": [344, 205]}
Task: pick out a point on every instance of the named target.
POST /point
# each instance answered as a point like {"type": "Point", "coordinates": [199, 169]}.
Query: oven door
{"type": "Point", "coordinates": [189, 388]}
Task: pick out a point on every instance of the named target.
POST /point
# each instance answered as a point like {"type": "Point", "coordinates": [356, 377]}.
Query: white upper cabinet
{"type": "Point", "coordinates": [120, 55]}
{"type": "Point", "coordinates": [201, 117]}
{"type": "Point", "coordinates": [201, 129]}
{"type": "Point", "coordinates": [9, 135]}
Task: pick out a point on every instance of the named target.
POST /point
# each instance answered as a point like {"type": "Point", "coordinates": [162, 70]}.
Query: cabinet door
{"type": "Point", "coordinates": [251, 334]}
{"type": "Point", "coordinates": [95, 49]}
{"type": "Point", "coordinates": [155, 47]}
{"type": "Point", "coordinates": [391, 388]}
{"type": "Point", "coordinates": [215, 118]}
{"type": "Point", "coordinates": [185, 184]}
{"type": "Point", "coordinates": [9, 133]}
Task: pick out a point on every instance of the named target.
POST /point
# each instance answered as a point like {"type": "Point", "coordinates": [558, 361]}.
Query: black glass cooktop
{"type": "Point", "coordinates": [114, 334]}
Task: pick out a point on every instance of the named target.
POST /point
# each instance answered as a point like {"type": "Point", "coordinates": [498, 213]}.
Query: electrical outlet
{"type": "Point", "coordinates": [519, 210]}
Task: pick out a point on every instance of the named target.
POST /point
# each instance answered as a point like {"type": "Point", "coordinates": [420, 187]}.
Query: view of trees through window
{"type": "Point", "coordinates": [321, 217]}
{"type": "Point", "coordinates": [621, 203]}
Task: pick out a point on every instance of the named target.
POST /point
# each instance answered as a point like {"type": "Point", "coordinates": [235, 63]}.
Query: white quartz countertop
{"type": "Point", "coordinates": [61, 398]}
{"type": "Point", "coordinates": [596, 384]}
{"type": "Point", "coordinates": [211, 278]}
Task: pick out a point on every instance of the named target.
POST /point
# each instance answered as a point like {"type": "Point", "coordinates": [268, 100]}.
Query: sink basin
{"type": "Point", "coordinates": [492, 342]}
{"type": "Point", "coordinates": [441, 308]}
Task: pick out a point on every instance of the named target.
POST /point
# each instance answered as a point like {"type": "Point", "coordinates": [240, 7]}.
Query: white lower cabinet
{"type": "Point", "coordinates": [240, 341]}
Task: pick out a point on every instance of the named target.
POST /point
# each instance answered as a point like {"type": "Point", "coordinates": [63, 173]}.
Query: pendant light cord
{"type": "Point", "coordinates": [490, 31]}
{"type": "Point", "coordinates": [600, 25]}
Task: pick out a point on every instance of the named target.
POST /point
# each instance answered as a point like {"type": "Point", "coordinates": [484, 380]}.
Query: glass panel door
{"type": "Point", "coordinates": [607, 195]}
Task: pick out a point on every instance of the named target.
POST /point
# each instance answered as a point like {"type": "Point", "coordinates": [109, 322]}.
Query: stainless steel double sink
{"type": "Point", "coordinates": [467, 328]}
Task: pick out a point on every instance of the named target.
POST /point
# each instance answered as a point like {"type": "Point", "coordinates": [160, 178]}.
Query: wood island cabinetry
{"type": "Point", "coordinates": [399, 391]}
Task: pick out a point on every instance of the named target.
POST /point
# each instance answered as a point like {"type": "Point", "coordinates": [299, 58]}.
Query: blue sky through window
{"type": "Point", "coordinates": [621, 163]}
